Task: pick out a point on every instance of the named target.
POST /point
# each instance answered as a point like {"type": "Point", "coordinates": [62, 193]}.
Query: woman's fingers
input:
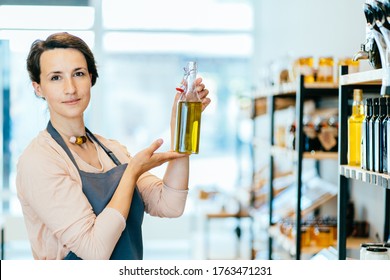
{"type": "Point", "coordinates": [154, 146]}
{"type": "Point", "coordinates": [205, 103]}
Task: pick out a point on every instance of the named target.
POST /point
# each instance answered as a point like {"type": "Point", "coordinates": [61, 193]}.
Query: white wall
{"type": "Point", "coordinates": [317, 28]}
{"type": "Point", "coordinates": [307, 27]}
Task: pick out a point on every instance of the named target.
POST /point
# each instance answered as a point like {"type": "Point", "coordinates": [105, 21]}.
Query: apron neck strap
{"type": "Point", "coordinates": [108, 151]}
{"type": "Point", "coordinates": [57, 137]}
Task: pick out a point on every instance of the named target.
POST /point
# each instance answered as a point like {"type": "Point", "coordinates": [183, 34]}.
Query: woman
{"type": "Point", "coordinates": [82, 195]}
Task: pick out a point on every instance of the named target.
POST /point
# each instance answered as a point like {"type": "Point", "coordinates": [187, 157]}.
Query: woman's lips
{"type": "Point", "coordinates": [72, 102]}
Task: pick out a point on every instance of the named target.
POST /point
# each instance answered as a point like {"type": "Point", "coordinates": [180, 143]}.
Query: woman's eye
{"type": "Point", "coordinates": [78, 74]}
{"type": "Point", "coordinates": [55, 78]}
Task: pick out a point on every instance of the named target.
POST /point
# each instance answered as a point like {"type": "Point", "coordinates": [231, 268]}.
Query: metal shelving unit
{"type": "Point", "coordinates": [301, 92]}
{"type": "Point", "coordinates": [370, 82]}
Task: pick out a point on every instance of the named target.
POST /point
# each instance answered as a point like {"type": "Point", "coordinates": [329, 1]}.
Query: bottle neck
{"type": "Point", "coordinates": [357, 108]}
{"type": "Point", "coordinates": [191, 82]}
{"type": "Point", "coordinates": [368, 111]}
{"type": "Point", "coordinates": [382, 110]}
{"type": "Point", "coordinates": [375, 110]}
{"type": "Point", "coordinates": [191, 95]}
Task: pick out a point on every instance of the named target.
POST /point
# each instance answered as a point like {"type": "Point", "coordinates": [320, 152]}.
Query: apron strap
{"type": "Point", "coordinates": [108, 152]}
{"type": "Point", "coordinates": [54, 133]}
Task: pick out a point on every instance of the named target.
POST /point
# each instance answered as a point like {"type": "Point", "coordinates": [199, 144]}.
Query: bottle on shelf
{"type": "Point", "coordinates": [386, 139]}
{"type": "Point", "coordinates": [310, 131]}
{"type": "Point", "coordinates": [333, 122]}
{"type": "Point", "coordinates": [365, 143]}
{"type": "Point", "coordinates": [371, 134]}
{"type": "Point", "coordinates": [188, 116]}
{"type": "Point", "coordinates": [355, 129]}
{"type": "Point", "coordinates": [378, 164]}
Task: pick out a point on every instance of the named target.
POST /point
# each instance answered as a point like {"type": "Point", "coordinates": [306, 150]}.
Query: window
{"type": "Point", "coordinates": [140, 54]}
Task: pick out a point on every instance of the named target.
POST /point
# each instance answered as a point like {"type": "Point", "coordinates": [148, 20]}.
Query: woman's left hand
{"type": "Point", "coordinates": [203, 92]}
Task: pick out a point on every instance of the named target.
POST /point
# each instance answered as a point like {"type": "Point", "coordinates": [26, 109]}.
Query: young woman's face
{"type": "Point", "coordinates": [65, 83]}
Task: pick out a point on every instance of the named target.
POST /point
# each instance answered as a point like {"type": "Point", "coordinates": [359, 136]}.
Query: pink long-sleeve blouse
{"type": "Point", "coordinates": [57, 214]}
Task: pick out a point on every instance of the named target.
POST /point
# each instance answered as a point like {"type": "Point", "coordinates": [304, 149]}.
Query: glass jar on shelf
{"type": "Point", "coordinates": [325, 69]}
{"type": "Point", "coordinates": [304, 66]}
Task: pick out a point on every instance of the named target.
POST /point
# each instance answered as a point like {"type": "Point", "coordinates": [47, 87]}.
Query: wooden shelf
{"type": "Point", "coordinates": [322, 85]}
{"type": "Point", "coordinates": [357, 173]}
{"type": "Point", "coordinates": [315, 192]}
{"type": "Point", "coordinates": [320, 201]}
{"type": "Point", "coordinates": [288, 243]}
{"type": "Point", "coordinates": [291, 88]}
{"type": "Point", "coordinates": [354, 242]}
{"type": "Point", "coordinates": [224, 215]}
{"type": "Point", "coordinates": [373, 77]}
{"type": "Point", "coordinates": [317, 155]}
{"type": "Point", "coordinates": [320, 155]}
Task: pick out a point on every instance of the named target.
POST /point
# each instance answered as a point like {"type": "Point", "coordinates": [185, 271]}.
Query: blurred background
{"type": "Point", "coordinates": [141, 48]}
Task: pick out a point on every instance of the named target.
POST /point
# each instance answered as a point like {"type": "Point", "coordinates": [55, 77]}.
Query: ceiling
{"type": "Point", "coordinates": [46, 2]}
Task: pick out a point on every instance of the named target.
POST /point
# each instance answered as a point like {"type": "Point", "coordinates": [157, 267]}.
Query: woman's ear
{"type": "Point", "coordinates": [37, 89]}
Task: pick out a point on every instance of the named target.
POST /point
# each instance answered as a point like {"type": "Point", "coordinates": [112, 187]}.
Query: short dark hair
{"type": "Point", "coordinates": [62, 40]}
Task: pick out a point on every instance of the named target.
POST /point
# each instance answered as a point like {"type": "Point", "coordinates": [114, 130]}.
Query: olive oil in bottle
{"type": "Point", "coordinates": [188, 127]}
{"type": "Point", "coordinates": [188, 115]}
{"type": "Point", "coordinates": [355, 129]}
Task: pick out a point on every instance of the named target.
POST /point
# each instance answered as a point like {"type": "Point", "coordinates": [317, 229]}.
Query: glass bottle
{"type": "Point", "coordinates": [355, 129]}
{"type": "Point", "coordinates": [378, 164]}
{"type": "Point", "coordinates": [365, 143]}
{"type": "Point", "coordinates": [386, 143]}
{"type": "Point", "coordinates": [310, 131]}
{"type": "Point", "coordinates": [371, 133]}
{"type": "Point", "coordinates": [188, 115]}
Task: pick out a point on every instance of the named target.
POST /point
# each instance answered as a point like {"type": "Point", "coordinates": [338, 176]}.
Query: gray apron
{"type": "Point", "coordinates": [99, 188]}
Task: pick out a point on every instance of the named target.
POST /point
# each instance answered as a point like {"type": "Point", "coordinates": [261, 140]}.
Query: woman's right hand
{"type": "Point", "coordinates": [142, 162]}
{"type": "Point", "coordinates": [148, 158]}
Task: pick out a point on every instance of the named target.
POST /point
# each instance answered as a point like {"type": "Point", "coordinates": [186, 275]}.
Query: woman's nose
{"type": "Point", "coordinates": [70, 87]}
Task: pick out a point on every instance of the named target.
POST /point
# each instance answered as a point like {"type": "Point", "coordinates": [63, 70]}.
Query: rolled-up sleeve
{"type": "Point", "coordinates": [161, 200]}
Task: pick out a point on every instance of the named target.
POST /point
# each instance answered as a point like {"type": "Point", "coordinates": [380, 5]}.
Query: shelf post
{"type": "Point", "coordinates": [299, 149]}
{"type": "Point", "coordinates": [342, 199]}
{"type": "Point", "coordinates": [386, 232]}
{"type": "Point", "coordinates": [271, 111]}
